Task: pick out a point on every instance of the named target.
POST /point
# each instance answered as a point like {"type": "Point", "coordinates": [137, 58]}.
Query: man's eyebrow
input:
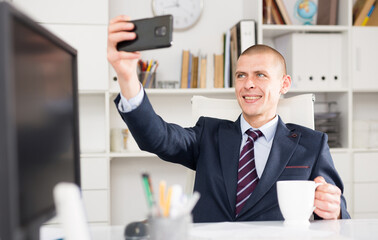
{"type": "Point", "coordinates": [262, 71]}
{"type": "Point", "coordinates": [238, 72]}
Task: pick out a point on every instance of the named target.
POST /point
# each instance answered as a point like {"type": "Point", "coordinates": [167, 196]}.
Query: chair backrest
{"type": "Point", "coordinates": [298, 109]}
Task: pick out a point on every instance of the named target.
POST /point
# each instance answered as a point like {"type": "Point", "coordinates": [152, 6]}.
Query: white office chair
{"type": "Point", "coordinates": [298, 109]}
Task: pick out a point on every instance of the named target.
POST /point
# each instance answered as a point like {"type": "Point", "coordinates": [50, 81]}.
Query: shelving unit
{"type": "Point", "coordinates": [111, 180]}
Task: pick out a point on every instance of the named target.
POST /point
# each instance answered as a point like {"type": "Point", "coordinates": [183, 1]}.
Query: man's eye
{"type": "Point", "coordinates": [240, 75]}
{"type": "Point", "coordinates": [260, 75]}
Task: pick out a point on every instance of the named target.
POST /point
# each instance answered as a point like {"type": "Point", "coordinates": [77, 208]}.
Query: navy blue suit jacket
{"type": "Point", "coordinates": [212, 149]}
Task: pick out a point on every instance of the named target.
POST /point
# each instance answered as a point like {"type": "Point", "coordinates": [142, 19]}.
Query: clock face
{"type": "Point", "coordinates": [185, 12]}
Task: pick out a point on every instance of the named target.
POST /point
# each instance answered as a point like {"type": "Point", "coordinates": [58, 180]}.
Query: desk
{"type": "Point", "coordinates": [339, 229]}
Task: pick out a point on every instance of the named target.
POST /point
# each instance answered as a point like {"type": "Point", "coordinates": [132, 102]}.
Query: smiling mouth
{"type": "Point", "coordinates": [251, 98]}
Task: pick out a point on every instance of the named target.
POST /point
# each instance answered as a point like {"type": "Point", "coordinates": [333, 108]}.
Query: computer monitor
{"type": "Point", "coordinates": [39, 133]}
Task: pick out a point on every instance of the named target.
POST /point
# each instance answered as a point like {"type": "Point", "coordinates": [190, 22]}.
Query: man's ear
{"type": "Point", "coordinates": [286, 83]}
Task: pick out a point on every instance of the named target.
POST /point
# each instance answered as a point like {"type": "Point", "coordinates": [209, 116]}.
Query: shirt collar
{"type": "Point", "coordinates": [268, 129]}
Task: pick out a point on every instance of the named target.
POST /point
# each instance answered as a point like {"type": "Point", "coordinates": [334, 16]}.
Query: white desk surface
{"type": "Point", "coordinates": [338, 229]}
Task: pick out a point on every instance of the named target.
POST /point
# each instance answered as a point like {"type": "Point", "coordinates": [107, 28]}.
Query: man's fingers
{"type": "Point", "coordinates": [120, 26]}
{"type": "Point", "coordinates": [320, 179]}
{"type": "Point", "coordinates": [326, 214]}
{"type": "Point", "coordinates": [327, 205]}
{"type": "Point", "coordinates": [120, 18]}
{"type": "Point", "coordinates": [328, 188]}
{"type": "Point", "coordinates": [115, 38]}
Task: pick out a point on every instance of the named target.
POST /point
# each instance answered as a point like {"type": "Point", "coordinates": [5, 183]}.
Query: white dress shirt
{"type": "Point", "coordinates": [262, 144]}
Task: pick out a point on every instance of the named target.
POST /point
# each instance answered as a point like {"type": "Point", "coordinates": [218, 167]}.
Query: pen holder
{"type": "Point", "coordinates": [165, 228]}
{"type": "Point", "coordinates": [148, 79]}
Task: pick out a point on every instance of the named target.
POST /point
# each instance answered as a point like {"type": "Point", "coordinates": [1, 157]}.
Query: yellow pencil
{"type": "Point", "coordinates": [162, 186]}
{"type": "Point", "coordinates": [168, 203]}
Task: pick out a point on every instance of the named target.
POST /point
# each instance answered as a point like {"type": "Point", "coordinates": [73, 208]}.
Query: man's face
{"type": "Point", "coordinates": [259, 81]}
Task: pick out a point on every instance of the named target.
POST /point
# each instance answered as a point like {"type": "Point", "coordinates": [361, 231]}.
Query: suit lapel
{"type": "Point", "coordinates": [284, 144]}
{"type": "Point", "coordinates": [229, 150]}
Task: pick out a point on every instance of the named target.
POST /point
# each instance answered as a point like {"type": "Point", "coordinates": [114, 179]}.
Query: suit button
{"type": "Point", "coordinates": [294, 135]}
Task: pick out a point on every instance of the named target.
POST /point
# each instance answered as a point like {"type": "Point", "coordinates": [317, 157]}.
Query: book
{"type": "Point", "coordinates": [184, 68]}
{"type": "Point", "coordinates": [277, 17]}
{"type": "Point", "coordinates": [327, 12]}
{"type": "Point", "coordinates": [233, 51]}
{"type": "Point", "coordinates": [302, 13]}
{"type": "Point", "coordinates": [218, 70]}
{"type": "Point", "coordinates": [202, 71]}
{"type": "Point", "coordinates": [194, 79]}
{"type": "Point", "coordinates": [283, 11]}
{"type": "Point", "coordinates": [360, 11]}
{"type": "Point", "coordinates": [190, 70]}
{"type": "Point", "coordinates": [227, 58]}
{"type": "Point", "coordinates": [267, 12]}
{"type": "Point", "coordinates": [373, 20]}
{"type": "Point", "coordinates": [368, 15]}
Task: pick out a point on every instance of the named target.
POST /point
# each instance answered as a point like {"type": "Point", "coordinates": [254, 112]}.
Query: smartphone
{"type": "Point", "coordinates": [151, 33]}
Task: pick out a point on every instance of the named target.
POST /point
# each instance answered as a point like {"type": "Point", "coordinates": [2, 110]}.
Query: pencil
{"type": "Point", "coordinates": [168, 203]}
{"type": "Point", "coordinates": [162, 186]}
{"type": "Point", "coordinates": [147, 189]}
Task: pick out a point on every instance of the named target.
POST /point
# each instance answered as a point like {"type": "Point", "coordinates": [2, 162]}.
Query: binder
{"type": "Point", "coordinates": [316, 67]}
{"type": "Point", "coordinates": [246, 32]}
{"type": "Point", "coordinates": [242, 36]}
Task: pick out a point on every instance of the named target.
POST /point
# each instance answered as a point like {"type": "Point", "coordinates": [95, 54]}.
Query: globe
{"type": "Point", "coordinates": [306, 9]}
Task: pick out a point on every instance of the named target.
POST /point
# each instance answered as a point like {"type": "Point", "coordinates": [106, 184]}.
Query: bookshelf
{"type": "Point", "coordinates": [356, 100]}
{"type": "Point", "coordinates": [108, 177]}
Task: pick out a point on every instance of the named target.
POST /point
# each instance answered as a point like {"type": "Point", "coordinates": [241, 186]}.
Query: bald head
{"type": "Point", "coordinates": [264, 49]}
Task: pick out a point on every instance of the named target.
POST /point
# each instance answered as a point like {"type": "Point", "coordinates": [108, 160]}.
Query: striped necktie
{"type": "Point", "coordinates": [247, 175]}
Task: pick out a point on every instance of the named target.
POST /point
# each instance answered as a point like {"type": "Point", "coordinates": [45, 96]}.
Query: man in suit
{"type": "Point", "coordinates": [214, 147]}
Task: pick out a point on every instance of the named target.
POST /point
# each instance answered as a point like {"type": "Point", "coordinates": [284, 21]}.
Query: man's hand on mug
{"type": "Point", "coordinates": [327, 200]}
{"type": "Point", "coordinates": [124, 63]}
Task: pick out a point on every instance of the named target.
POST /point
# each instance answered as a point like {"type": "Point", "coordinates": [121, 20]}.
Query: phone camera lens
{"type": "Point", "coordinates": [161, 31]}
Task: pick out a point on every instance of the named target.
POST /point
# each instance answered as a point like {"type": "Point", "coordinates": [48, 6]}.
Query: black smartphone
{"type": "Point", "coordinates": [151, 33]}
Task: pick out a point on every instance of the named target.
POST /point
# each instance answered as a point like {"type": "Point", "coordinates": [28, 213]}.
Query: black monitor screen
{"type": "Point", "coordinates": [39, 133]}
{"type": "Point", "coordinates": [44, 110]}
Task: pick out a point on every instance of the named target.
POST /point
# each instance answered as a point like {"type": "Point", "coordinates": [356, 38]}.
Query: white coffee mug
{"type": "Point", "coordinates": [296, 200]}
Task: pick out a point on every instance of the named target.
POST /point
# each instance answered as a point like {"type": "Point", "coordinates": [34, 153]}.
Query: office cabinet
{"type": "Point", "coordinates": [96, 205]}
{"type": "Point", "coordinates": [364, 58]}
{"type": "Point", "coordinates": [92, 123]}
{"type": "Point", "coordinates": [94, 173]}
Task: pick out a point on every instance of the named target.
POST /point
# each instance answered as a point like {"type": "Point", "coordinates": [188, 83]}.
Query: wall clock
{"type": "Point", "coordinates": [185, 12]}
